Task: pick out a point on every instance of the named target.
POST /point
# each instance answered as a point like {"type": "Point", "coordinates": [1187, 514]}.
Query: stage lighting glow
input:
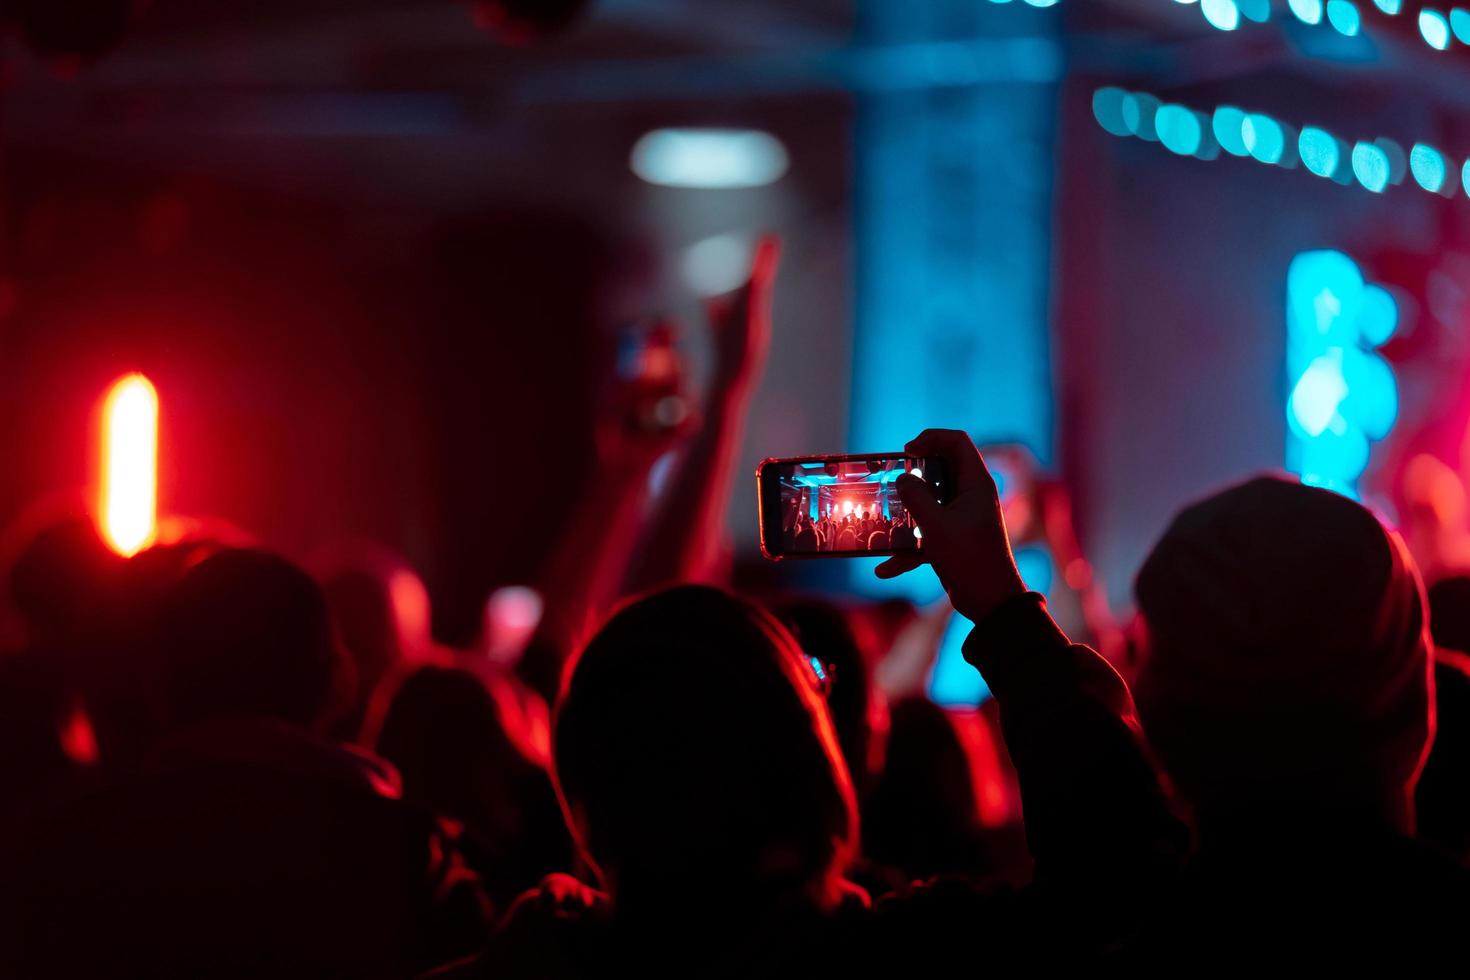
{"type": "Point", "coordinates": [1378, 316]}
{"type": "Point", "coordinates": [710, 158]}
{"type": "Point", "coordinates": [1376, 164]}
{"type": "Point", "coordinates": [1344, 394]}
{"type": "Point", "coordinates": [1139, 112]}
{"type": "Point", "coordinates": [1228, 123]}
{"type": "Point", "coordinates": [1335, 460]}
{"type": "Point", "coordinates": [1428, 167]}
{"type": "Point", "coordinates": [917, 472]}
{"type": "Point", "coordinates": [1307, 11]}
{"type": "Point", "coordinates": [1263, 137]}
{"type": "Point", "coordinates": [1255, 10]}
{"type": "Point", "coordinates": [1223, 15]}
{"type": "Point", "coordinates": [953, 682]}
{"type": "Point", "coordinates": [1372, 396]}
{"type": "Point", "coordinates": [1398, 160]}
{"type": "Point", "coordinates": [717, 264]}
{"type": "Point", "coordinates": [1371, 166]}
{"type": "Point", "coordinates": [1318, 393]}
{"type": "Point", "coordinates": [1043, 3]}
{"type": "Point", "coordinates": [1179, 129]}
{"type": "Point", "coordinates": [1324, 293]}
{"type": "Point", "coordinates": [129, 505]}
{"type": "Point", "coordinates": [1344, 17]}
{"type": "Point", "coordinates": [1434, 28]}
{"type": "Point", "coordinates": [1389, 6]}
{"type": "Point", "coordinates": [1319, 152]}
{"type": "Point", "coordinates": [1460, 24]}
{"type": "Point", "coordinates": [1107, 108]}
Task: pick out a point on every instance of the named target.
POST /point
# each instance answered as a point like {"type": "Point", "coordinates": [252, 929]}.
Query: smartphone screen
{"type": "Point", "coordinates": [841, 506]}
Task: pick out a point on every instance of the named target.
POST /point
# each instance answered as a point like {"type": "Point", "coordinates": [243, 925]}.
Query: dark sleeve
{"type": "Point", "coordinates": [1098, 822]}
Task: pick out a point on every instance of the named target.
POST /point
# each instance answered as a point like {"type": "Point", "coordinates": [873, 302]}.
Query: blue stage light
{"type": "Point", "coordinates": [1179, 129]}
{"type": "Point", "coordinates": [1378, 316]}
{"type": "Point", "coordinates": [1371, 166]}
{"type": "Point", "coordinates": [1343, 395]}
{"type": "Point", "coordinates": [1344, 17]}
{"type": "Point", "coordinates": [1222, 15]}
{"type": "Point", "coordinates": [1107, 109]}
{"type": "Point", "coordinates": [1263, 137]}
{"type": "Point", "coordinates": [1460, 24]}
{"type": "Point", "coordinates": [1227, 123]}
{"type": "Point", "coordinates": [1428, 167]}
{"type": "Point", "coordinates": [1319, 151]}
{"type": "Point", "coordinates": [1434, 28]}
{"type": "Point", "coordinates": [1307, 11]}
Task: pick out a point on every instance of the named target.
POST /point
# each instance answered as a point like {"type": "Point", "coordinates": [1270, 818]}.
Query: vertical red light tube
{"type": "Point", "coordinates": [129, 505]}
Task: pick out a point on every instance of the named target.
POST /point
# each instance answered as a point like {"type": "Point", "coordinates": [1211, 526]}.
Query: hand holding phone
{"type": "Point", "coordinates": [964, 536]}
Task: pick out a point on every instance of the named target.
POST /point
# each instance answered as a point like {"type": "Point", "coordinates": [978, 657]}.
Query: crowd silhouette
{"type": "Point", "coordinates": [856, 531]}
{"type": "Point", "coordinates": [222, 764]}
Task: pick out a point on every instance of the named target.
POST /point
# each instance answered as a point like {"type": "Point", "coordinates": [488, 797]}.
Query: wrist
{"type": "Point", "coordinates": [977, 605]}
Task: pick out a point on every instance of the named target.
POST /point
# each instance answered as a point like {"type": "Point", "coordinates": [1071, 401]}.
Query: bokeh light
{"type": "Point", "coordinates": [1344, 17]}
{"type": "Point", "coordinates": [1319, 151]}
{"type": "Point", "coordinates": [1434, 29]}
{"type": "Point", "coordinates": [1342, 393]}
{"type": "Point", "coordinates": [1222, 15]}
{"type": "Point", "coordinates": [1227, 123]}
{"type": "Point", "coordinates": [1179, 129]}
{"type": "Point", "coordinates": [1371, 167]}
{"type": "Point", "coordinates": [1307, 11]}
{"type": "Point", "coordinates": [1107, 109]}
{"type": "Point", "coordinates": [709, 158]}
{"type": "Point", "coordinates": [1428, 167]}
{"type": "Point", "coordinates": [1263, 137]}
{"type": "Point", "coordinates": [129, 504]}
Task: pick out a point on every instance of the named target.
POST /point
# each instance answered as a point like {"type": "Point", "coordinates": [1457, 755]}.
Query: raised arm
{"type": "Point", "coordinates": [1097, 818]}
{"type": "Point", "coordinates": [687, 540]}
{"type": "Point", "coordinates": [588, 559]}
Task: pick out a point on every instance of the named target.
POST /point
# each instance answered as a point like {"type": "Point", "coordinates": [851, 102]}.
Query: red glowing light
{"type": "Point", "coordinates": [129, 505]}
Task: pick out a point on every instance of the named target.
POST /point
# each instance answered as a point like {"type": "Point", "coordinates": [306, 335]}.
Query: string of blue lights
{"type": "Point", "coordinates": [1438, 29]}
{"type": "Point", "coordinates": [1374, 165]}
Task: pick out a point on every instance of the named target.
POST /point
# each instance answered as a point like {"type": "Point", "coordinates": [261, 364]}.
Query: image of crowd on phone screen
{"type": "Point", "coordinates": [846, 507]}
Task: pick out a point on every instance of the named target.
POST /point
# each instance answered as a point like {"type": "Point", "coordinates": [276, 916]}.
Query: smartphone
{"type": "Point", "coordinates": [841, 506]}
{"type": "Point", "coordinates": [650, 373]}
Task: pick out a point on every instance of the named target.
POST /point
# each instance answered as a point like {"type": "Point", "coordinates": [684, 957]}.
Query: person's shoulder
{"type": "Point", "coordinates": [935, 921]}
{"type": "Point", "coordinates": [549, 930]}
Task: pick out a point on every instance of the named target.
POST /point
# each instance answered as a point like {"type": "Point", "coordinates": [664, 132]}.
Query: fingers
{"type": "Point", "coordinates": [956, 447]}
{"type": "Point", "coordinates": [899, 564]}
{"type": "Point", "coordinates": [767, 256]}
{"type": "Point", "coordinates": [918, 498]}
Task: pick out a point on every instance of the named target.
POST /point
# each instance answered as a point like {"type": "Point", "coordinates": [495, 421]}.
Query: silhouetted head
{"type": "Point", "coordinates": [447, 731]}
{"type": "Point", "coordinates": [924, 816]}
{"type": "Point", "coordinates": [62, 581]}
{"type": "Point", "coordinates": [1449, 612]}
{"type": "Point", "coordinates": [1285, 655]}
{"type": "Point", "coordinates": [835, 637]}
{"type": "Point", "coordinates": [692, 748]}
{"type": "Point", "coordinates": [380, 609]}
{"type": "Point", "coordinates": [247, 632]}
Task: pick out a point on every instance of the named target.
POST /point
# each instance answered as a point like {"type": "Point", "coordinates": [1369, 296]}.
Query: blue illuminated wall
{"type": "Point", "coordinates": [953, 215]}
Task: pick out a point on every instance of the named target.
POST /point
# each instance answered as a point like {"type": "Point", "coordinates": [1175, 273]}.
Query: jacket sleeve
{"type": "Point", "coordinates": [1098, 820]}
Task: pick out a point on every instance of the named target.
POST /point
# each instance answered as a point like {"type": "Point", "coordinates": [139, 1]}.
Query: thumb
{"type": "Point", "coordinates": [918, 498]}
